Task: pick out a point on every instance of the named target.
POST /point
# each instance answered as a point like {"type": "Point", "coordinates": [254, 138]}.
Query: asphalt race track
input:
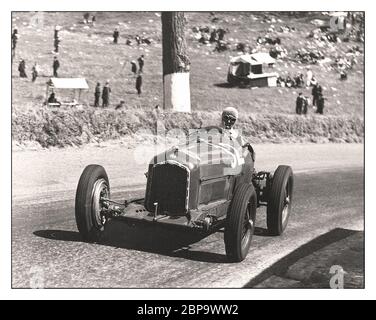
{"type": "Point", "coordinates": [47, 250]}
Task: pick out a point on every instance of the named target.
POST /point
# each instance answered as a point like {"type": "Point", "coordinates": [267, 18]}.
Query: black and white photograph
{"type": "Point", "coordinates": [188, 149]}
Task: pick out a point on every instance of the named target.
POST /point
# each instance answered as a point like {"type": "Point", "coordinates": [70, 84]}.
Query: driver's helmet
{"type": "Point", "coordinates": [229, 117]}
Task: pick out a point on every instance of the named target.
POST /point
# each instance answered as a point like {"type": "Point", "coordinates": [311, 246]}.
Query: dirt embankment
{"type": "Point", "coordinates": [67, 127]}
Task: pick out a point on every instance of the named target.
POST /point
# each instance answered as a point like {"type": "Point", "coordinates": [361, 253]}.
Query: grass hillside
{"type": "Point", "coordinates": [87, 51]}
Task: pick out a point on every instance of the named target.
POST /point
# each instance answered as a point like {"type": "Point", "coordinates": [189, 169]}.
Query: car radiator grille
{"type": "Point", "coordinates": [169, 188]}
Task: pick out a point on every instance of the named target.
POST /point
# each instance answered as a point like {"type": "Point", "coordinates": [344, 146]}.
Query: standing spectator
{"type": "Point", "coordinates": [320, 104]}
{"type": "Point", "coordinates": [316, 92]}
{"type": "Point", "coordinates": [116, 35]}
{"type": "Point", "coordinates": [106, 94]}
{"type": "Point", "coordinates": [141, 63]}
{"type": "Point", "coordinates": [56, 32]}
{"type": "Point", "coordinates": [55, 66]}
{"type": "Point", "coordinates": [213, 36]}
{"type": "Point", "coordinates": [221, 34]}
{"type": "Point", "coordinates": [22, 68]}
{"type": "Point", "coordinates": [56, 44]}
{"type": "Point", "coordinates": [309, 76]}
{"type": "Point", "coordinates": [34, 72]}
{"type": "Point", "coordinates": [314, 95]}
{"type": "Point", "coordinates": [14, 39]}
{"type": "Point", "coordinates": [97, 94]}
{"type": "Point", "coordinates": [139, 83]}
{"type": "Point", "coordinates": [93, 20]}
{"type": "Point", "coordinates": [299, 81]}
{"type": "Point", "coordinates": [134, 67]}
{"type": "Point", "coordinates": [138, 39]}
{"type": "Point", "coordinates": [305, 105]}
{"type": "Point", "coordinates": [86, 17]}
{"type": "Point", "coordinates": [301, 104]}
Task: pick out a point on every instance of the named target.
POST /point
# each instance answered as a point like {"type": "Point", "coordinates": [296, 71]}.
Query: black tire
{"type": "Point", "coordinates": [93, 184]}
{"type": "Point", "coordinates": [279, 200]}
{"type": "Point", "coordinates": [240, 223]}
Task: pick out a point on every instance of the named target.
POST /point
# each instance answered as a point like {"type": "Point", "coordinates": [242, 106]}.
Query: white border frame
{"type": "Point", "coordinates": [144, 294]}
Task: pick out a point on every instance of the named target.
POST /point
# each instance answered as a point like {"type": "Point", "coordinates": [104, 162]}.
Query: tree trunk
{"type": "Point", "coordinates": [176, 91]}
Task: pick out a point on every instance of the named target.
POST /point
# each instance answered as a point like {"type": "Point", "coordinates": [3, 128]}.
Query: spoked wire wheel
{"type": "Point", "coordinates": [240, 222]}
{"type": "Point", "coordinates": [92, 187]}
{"type": "Point", "coordinates": [100, 191]}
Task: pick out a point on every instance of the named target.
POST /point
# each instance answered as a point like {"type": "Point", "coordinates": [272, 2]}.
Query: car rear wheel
{"type": "Point", "coordinates": [240, 223]}
{"type": "Point", "coordinates": [279, 202]}
{"type": "Point", "coordinates": [92, 186]}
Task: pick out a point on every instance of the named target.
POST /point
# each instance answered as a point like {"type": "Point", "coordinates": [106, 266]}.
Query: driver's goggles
{"type": "Point", "coordinates": [229, 118]}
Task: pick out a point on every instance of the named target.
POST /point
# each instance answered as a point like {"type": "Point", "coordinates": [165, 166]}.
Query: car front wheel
{"type": "Point", "coordinates": [240, 223]}
{"type": "Point", "coordinates": [280, 199]}
{"type": "Point", "coordinates": [92, 187]}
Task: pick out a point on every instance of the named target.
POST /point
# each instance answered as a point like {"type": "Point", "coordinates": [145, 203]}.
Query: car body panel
{"type": "Point", "coordinates": [214, 165]}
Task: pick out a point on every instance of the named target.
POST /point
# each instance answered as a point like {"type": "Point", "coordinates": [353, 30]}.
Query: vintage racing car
{"type": "Point", "coordinates": [203, 184]}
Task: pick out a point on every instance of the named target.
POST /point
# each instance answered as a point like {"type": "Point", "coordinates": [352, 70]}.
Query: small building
{"type": "Point", "coordinates": [255, 70]}
{"type": "Point", "coordinates": [67, 91]}
{"type": "Point", "coordinates": [335, 21]}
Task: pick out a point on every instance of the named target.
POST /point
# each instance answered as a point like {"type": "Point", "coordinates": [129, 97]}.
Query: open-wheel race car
{"type": "Point", "coordinates": [203, 184]}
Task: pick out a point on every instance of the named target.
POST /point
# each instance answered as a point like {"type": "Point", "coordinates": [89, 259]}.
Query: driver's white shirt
{"type": "Point", "coordinates": [233, 134]}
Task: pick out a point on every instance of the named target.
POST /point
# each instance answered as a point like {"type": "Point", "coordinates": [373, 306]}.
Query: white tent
{"type": "Point", "coordinates": [76, 84]}
{"type": "Point", "coordinates": [68, 83]}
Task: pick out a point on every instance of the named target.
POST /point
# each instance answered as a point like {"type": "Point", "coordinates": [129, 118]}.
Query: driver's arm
{"type": "Point", "coordinates": [250, 149]}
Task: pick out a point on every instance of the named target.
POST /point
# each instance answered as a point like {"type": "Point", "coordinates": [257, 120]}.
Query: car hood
{"type": "Point", "coordinates": [210, 157]}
